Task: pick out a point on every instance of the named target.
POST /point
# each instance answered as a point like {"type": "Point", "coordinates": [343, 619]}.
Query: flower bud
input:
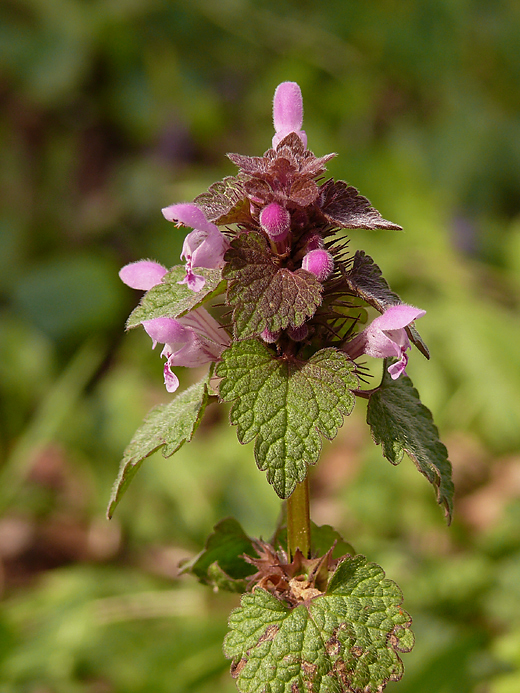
{"type": "Point", "coordinates": [275, 221]}
{"type": "Point", "coordinates": [320, 263]}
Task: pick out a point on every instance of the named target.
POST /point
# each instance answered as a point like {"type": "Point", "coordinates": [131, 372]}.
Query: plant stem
{"type": "Point", "coordinates": [299, 521]}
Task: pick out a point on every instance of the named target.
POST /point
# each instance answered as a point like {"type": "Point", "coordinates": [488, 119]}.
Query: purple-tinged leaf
{"type": "Point", "coordinates": [225, 202]}
{"type": "Point", "coordinates": [341, 204]}
{"type": "Point", "coordinates": [263, 294]}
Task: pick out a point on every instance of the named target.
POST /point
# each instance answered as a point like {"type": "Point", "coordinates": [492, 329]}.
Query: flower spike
{"type": "Point", "coordinates": [288, 112]}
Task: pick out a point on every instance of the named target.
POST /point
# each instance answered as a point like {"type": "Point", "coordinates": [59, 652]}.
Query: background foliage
{"type": "Point", "coordinates": [112, 109]}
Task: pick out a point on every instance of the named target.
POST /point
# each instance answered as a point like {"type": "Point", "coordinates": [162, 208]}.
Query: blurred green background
{"type": "Point", "coordinates": [111, 109]}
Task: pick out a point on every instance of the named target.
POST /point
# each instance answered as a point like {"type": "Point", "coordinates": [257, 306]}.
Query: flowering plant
{"type": "Point", "coordinates": [314, 616]}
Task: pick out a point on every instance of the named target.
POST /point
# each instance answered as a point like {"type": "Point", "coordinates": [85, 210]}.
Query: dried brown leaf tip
{"type": "Point", "coordinates": [293, 582]}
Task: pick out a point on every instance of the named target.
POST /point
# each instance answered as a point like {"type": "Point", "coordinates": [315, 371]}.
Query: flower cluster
{"type": "Point", "coordinates": [192, 340]}
{"type": "Point", "coordinates": [290, 281]}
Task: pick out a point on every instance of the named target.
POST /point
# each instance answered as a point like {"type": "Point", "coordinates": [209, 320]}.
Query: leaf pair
{"type": "Point", "coordinates": [287, 405]}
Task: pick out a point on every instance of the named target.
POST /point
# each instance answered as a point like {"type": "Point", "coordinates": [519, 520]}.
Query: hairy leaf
{"type": "Point", "coordinates": [401, 423]}
{"type": "Point", "coordinates": [342, 204]}
{"type": "Point", "coordinates": [365, 279]}
{"type": "Point", "coordinates": [167, 426]}
{"type": "Point", "coordinates": [290, 156]}
{"type": "Point", "coordinates": [263, 294]}
{"type": "Point", "coordinates": [286, 405]}
{"type": "Point", "coordinates": [221, 563]}
{"type": "Point", "coordinates": [225, 202]}
{"type": "Point", "coordinates": [347, 639]}
{"type": "Point", "coordinates": [169, 299]}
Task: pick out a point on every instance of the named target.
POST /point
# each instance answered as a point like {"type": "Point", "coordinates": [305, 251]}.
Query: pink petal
{"type": "Point", "coordinates": [398, 368]}
{"type": "Point", "coordinates": [205, 325]}
{"type": "Point", "coordinates": [188, 214]}
{"type": "Point", "coordinates": [195, 282]}
{"type": "Point", "coordinates": [270, 337]}
{"type": "Point", "coordinates": [142, 274]}
{"type": "Point", "coordinates": [288, 112]}
{"type": "Point", "coordinates": [165, 330]}
{"type": "Point", "coordinates": [210, 250]}
{"type": "Point", "coordinates": [378, 345]}
{"type": "Point", "coordinates": [288, 107]}
{"type": "Point", "coordinates": [171, 381]}
{"type": "Point", "coordinates": [397, 317]}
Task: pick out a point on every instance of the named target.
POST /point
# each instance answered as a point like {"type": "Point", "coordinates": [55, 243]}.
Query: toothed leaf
{"type": "Point", "coordinates": [401, 423]}
{"type": "Point", "coordinates": [225, 202]}
{"type": "Point", "coordinates": [169, 299]}
{"type": "Point", "coordinates": [263, 294]}
{"type": "Point", "coordinates": [287, 405]}
{"type": "Point", "coordinates": [167, 426]}
{"type": "Point", "coordinates": [221, 563]}
{"type": "Point", "coordinates": [347, 639]}
{"type": "Point", "coordinates": [342, 204]}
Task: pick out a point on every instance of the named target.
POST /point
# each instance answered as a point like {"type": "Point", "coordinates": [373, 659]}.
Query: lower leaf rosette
{"type": "Point", "coordinates": [347, 638]}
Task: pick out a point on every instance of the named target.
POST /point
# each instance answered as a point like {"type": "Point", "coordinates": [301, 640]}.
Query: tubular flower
{"type": "Point", "coordinates": [203, 247]}
{"type": "Point", "coordinates": [386, 337]}
{"type": "Point", "coordinates": [288, 112]}
{"type": "Point", "coordinates": [193, 340]}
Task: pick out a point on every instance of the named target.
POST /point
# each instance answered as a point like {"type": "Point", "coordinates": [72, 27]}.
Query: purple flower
{"type": "Point", "coordinates": [193, 340]}
{"type": "Point", "coordinates": [320, 263]}
{"type": "Point", "coordinates": [288, 112]}
{"type": "Point", "coordinates": [275, 221]}
{"type": "Point", "coordinates": [386, 337]}
{"type": "Point", "coordinates": [203, 247]}
{"type": "Point", "coordinates": [142, 274]}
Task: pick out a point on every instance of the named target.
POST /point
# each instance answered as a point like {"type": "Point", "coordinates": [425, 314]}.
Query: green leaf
{"type": "Point", "coordinates": [221, 563]}
{"type": "Point", "coordinates": [286, 404]}
{"type": "Point", "coordinates": [167, 426]}
{"type": "Point", "coordinates": [347, 639]}
{"type": "Point", "coordinates": [401, 423]}
{"type": "Point", "coordinates": [323, 537]}
{"type": "Point", "coordinates": [263, 294]}
{"type": "Point", "coordinates": [169, 299]}
{"type": "Point", "coordinates": [366, 280]}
